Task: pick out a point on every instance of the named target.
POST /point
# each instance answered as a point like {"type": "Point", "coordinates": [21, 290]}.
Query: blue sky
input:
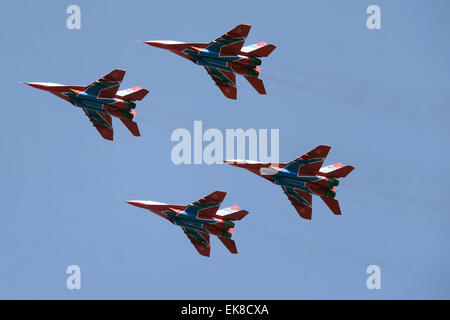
{"type": "Point", "coordinates": [379, 98]}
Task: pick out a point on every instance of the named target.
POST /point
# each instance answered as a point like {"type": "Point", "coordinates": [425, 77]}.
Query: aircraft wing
{"type": "Point", "coordinates": [230, 43]}
{"type": "Point", "coordinates": [226, 81]}
{"type": "Point", "coordinates": [102, 122]}
{"type": "Point", "coordinates": [309, 163]}
{"type": "Point", "coordinates": [199, 239]}
{"type": "Point", "coordinates": [206, 208]}
{"type": "Point", "coordinates": [301, 200]}
{"type": "Point", "coordinates": [107, 86]}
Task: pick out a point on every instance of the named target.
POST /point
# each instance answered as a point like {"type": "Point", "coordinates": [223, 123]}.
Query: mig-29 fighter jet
{"type": "Point", "coordinates": [302, 178]}
{"type": "Point", "coordinates": [101, 100]}
{"type": "Point", "coordinates": [224, 57]}
{"type": "Point", "coordinates": [200, 219]}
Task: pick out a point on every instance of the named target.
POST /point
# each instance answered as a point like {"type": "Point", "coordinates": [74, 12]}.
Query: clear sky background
{"type": "Point", "coordinates": [379, 98]}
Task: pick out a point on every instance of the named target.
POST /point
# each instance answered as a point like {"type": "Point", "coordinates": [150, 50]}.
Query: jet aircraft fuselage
{"type": "Point", "coordinates": [247, 66]}
{"type": "Point", "coordinates": [101, 100]}
{"type": "Point", "coordinates": [116, 107]}
{"type": "Point", "coordinates": [200, 219]}
{"type": "Point", "coordinates": [320, 185]}
{"type": "Point", "coordinates": [224, 57]}
{"type": "Point", "coordinates": [215, 226]}
{"type": "Point", "coordinates": [302, 178]}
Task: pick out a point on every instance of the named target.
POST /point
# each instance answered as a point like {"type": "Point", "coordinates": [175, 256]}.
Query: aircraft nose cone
{"type": "Point", "coordinates": [36, 85]}
{"type": "Point", "coordinates": [235, 163]}
{"type": "Point", "coordinates": [48, 86]}
{"type": "Point", "coordinates": [157, 44]}
{"type": "Point", "coordinates": [136, 203]}
{"type": "Point", "coordinates": [165, 44]}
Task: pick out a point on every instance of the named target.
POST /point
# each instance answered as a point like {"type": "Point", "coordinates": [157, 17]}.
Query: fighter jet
{"type": "Point", "coordinates": [101, 100]}
{"type": "Point", "coordinates": [302, 178]}
{"type": "Point", "coordinates": [224, 57]}
{"type": "Point", "coordinates": [200, 219]}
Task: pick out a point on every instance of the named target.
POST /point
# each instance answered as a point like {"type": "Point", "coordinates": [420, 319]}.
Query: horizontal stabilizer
{"type": "Point", "coordinates": [333, 205]}
{"type": "Point", "coordinates": [258, 84]}
{"type": "Point", "coordinates": [230, 244]}
{"type": "Point", "coordinates": [260, 49]}
{"type": "Point", "coordinates": [133, 94]}
{"type": "Point", "coordinates": [331, 167]}
{"type": "Point", "coordinates": [339, 173]}
{"type": "Point", "coordinates": [132, 126]}
{"type": "Point", "coordinates": [238, 215]}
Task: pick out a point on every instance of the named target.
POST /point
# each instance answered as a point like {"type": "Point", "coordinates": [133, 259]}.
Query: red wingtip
{"type": "Point", "coordinates": [114, 76]}
{"type": "Point", "coordinates": [216, 196]}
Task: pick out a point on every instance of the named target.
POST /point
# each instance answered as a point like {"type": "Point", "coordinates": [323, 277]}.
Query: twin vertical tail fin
{"type": "Point", "coordinates": [230, 213]}
{"type": "Point", "coordinates": [336, 170]}
{"type": "Point", "coordinates": [260, 49]}
{"type": "Point", "coordinates": [132, 94]}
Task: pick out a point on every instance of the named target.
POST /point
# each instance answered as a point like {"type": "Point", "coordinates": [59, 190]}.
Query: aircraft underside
{"type": "Point", "coordinates": [90, 105]}
{"type": "Point", "coordinates": [301, 185]}
{"type": "Point", "coordinates": [213, 63]}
